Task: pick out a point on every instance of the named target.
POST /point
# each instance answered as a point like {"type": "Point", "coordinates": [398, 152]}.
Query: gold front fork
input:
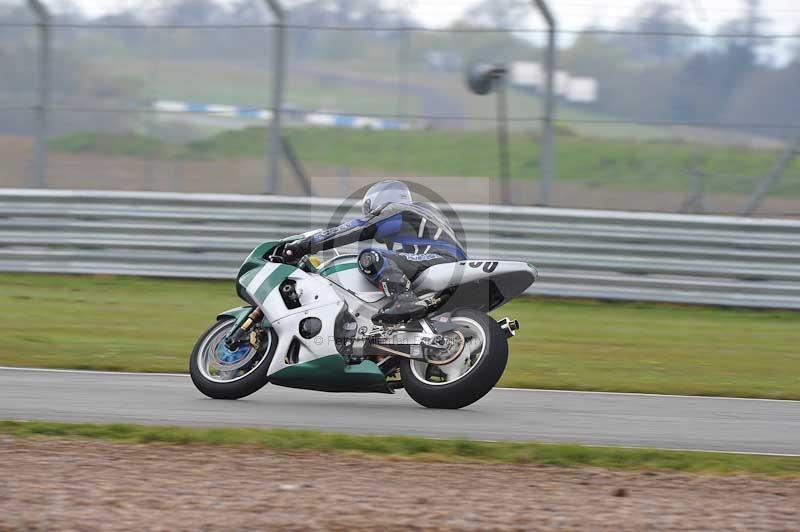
{"type": "Point", "coordinates": [233, 340]}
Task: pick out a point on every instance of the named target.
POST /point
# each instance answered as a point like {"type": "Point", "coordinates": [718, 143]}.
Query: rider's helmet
{"type": "Point", "coordinates": [384, 192]}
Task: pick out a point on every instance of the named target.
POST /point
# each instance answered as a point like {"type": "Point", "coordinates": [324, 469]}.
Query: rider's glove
{"type": "Point", "coordinates": [294, 251]}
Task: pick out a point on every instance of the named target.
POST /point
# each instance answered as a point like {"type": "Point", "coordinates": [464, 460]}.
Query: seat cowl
{"type": "Point", "coordinates": [480, 284]}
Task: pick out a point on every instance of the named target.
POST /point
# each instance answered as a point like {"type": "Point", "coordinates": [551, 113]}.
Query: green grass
{"type": "Point", "coordinates": [655, 348]}
{"type": "Point", "coordinates": [137, 324]}
{"type": "Point", "coordinates": [125, 144]}
{"type": "Point", "coordinates": [216, 82]}
{"type": "Point", "coordinates": [109, 323]}
{"type": "Point", "coordinates": [630, 164]}
{"type": "Point", "coordinates": [418, 448]}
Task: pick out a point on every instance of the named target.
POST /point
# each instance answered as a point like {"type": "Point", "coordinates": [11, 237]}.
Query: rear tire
{"type": "Point", "coordinates": [235, 389]}
{"type": "Point", "coordinates": [476, 382]}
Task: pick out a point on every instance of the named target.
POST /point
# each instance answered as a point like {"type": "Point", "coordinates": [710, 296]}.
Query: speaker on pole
{"type": "Point", "coordinates": [483, 78]}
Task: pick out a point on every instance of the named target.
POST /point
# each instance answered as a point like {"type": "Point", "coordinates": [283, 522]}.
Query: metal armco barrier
{"type": "Point", "coordinates": [597, 254]}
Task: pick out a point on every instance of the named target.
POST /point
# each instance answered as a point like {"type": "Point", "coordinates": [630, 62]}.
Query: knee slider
{"type": "Point", "coordinates": [370, 262]}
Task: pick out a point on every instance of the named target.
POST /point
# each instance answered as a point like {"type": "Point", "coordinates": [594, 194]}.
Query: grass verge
{"type": "Point", "coordinates": [418, 448]}
{"type": "Point", "coordinates": [150, 325]}
{"type": "Point", "coordinates": [624, 163]}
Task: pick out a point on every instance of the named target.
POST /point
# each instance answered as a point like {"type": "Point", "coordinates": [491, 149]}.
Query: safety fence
{"type": "Point", "coordinates": [579, 253]}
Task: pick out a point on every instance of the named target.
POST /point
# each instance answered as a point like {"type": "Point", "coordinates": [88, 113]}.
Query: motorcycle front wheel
{"type": "Point", "coordinates": [221, 373]}
{"type": "Point", "coordinates": [468, 378]}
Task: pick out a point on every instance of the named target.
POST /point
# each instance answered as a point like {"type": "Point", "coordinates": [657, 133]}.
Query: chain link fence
{"type": "Point", "coordinates": [178, 102]}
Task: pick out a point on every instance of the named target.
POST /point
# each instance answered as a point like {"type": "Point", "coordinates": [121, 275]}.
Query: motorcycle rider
{"type": "Point", "coordinates": [416, 236]}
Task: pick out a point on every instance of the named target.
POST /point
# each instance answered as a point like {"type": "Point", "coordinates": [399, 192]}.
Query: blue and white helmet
{"type": "Point", "coordinates": [384, 192]}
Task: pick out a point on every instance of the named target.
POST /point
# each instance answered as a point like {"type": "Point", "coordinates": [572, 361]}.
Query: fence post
{"type": "Point", "coordinates": [547, 160]}
{"type": "Point", "coordinates": [774, 175]}
{"type": "Point", "coordinates": [297, 167]}
{"type": "Point", "coordinates": [43, 97]}
{"type": "Point", "coordinates": [502, 138]}
{"type": "Point", "coordinates": [273, 178]}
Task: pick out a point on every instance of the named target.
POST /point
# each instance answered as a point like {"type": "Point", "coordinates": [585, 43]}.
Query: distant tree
{"type": "Point", "coordinates": [733, 32]}
{"type": "Point", "coordinates": [498, 13]}
{"type": "Point", "coordinates": [65, 9]}
{"type": "Point", "coordinates": [707, 82]}
{"type": "Point", "coordinates": [743, 33]}
{"type": "Point", "coordinates": [768, 96]}
{"type": "Point", "coordinates": [663, 33]}
{"type": "Point", "coordinates": [308, 44]}
{"type": "Point", "coordinates": [693, 97]}
{"type": "Point", "coordinates": [594, 56]}
{"type": "Point", "coordinates": [363, 13]}
{"type": "Point", "coordinates": [130, 37]}
{"type": "Point", "coordinates": [15, 13]}
{"type": "Point", "coordinates": [249, 11]}
{"type": "Point", "coordinates": [639, 92]}
{"type": "Point", "coordinates": [194, 12]}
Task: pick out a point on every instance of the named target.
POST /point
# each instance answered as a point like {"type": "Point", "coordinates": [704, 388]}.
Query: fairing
{"type": "Point", "coordinates": [337, 287]}
{"type": "Point", "coordinates": [478, 284]}
{"type": "Point", "coordinates": [312, 363]}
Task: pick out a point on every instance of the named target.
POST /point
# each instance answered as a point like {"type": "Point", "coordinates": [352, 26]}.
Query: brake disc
{"type": "Point", "coordinates": [442, 357]}
{"type": "Point", "coordinates": [227, 360]}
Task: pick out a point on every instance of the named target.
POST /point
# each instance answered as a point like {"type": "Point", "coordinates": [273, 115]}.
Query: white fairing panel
{"type": "Point", "coordinates": [317, 299]}
{"type": "Point", "coordinates": [480, 284]}
{"type": "Point", "coordinates": [322, 345]}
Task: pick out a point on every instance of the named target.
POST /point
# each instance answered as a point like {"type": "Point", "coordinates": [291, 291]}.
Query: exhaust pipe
{"type": "Point", "coordinates": [509, 326]}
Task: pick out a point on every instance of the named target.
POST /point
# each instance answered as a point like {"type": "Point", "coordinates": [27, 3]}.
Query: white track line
{"type": "Point", "coordinates": [521, 390]}
{"type": "Point", "coordinates": [785, 455]}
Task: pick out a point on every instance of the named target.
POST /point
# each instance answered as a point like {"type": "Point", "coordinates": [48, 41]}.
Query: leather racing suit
{"type": "Point", "coordinates": [416, 236]}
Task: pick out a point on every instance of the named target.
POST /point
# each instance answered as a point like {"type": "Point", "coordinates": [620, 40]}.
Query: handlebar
{"type": "Point", "coordinates": [281, 255]}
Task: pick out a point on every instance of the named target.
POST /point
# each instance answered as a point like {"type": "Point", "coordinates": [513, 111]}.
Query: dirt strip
{"type": "Point", "coordinates": [52, 484]}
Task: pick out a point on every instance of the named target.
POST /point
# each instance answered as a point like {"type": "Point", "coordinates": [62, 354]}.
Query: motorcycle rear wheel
{"type": "Point", "coordinates": [469, 377]}
{"type": "Point", "coordinates": [229, 385]}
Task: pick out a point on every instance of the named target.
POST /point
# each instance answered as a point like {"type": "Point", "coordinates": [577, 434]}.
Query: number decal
{"type": "Point", "coordinates": [475, 264]}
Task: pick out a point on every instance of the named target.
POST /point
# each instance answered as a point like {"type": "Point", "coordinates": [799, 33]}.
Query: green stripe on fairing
{"type": "Point", "coordinates": [338, 268]}
{"type": "Point", "coordinates": [246, 278]}
{"type": "Point", "coordinates": [272, 281]}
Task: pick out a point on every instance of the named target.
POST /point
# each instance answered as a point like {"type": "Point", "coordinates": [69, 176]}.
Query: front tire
{"type": "Point", "coordinates": [248, 379]}
{"type": "Point", "coordinates": [471, 376]}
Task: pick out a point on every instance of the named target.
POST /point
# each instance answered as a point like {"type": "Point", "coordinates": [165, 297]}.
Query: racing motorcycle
{"type": "Point", "coordinates": [308, 323]}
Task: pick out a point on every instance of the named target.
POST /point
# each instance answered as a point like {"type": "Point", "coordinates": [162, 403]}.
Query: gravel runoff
{"type": "Point", "coordinates": [54, 484]}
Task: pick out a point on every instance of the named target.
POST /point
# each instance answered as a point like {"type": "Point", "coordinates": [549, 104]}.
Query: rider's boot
{"type": "Point", "coordinates": [403, 305]}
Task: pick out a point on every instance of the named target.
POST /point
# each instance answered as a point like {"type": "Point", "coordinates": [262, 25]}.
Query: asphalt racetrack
{"type": "Point", "coordinates": [630, 420]}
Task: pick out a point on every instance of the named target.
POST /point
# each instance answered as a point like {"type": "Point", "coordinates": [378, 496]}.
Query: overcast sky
{"type": "Point", "coordinates": [707, 14]}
